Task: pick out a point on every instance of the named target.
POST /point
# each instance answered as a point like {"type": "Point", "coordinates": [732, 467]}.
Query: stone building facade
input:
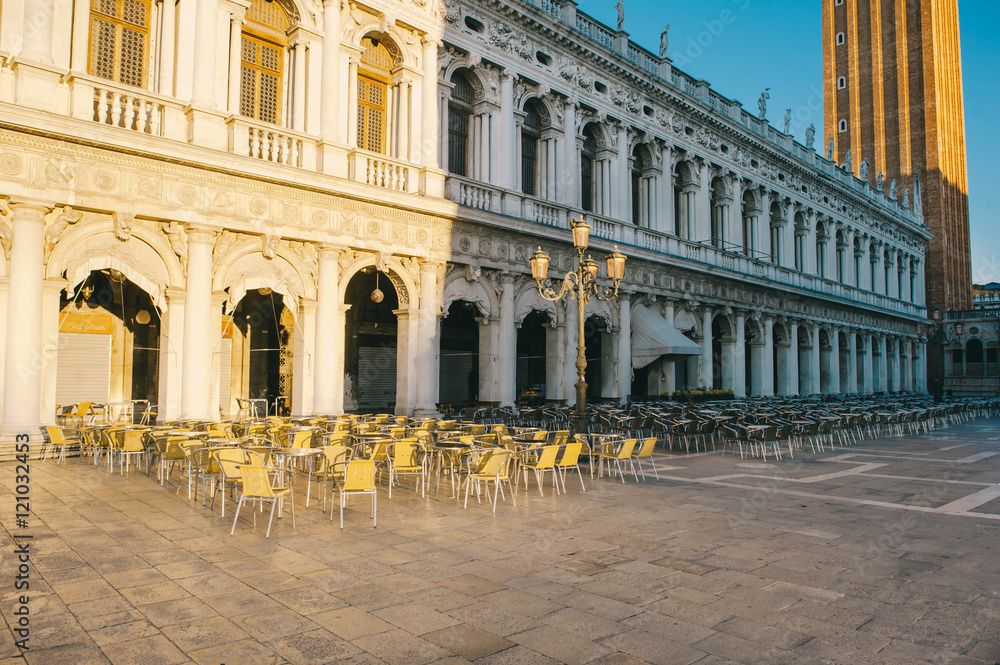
{"type": "Point", "coordinates": [202, 196]}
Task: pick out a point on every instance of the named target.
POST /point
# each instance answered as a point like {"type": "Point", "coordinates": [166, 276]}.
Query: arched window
{"type": "Point", "coordinates": [374, 74]}
{"type": "Point", "coordinates": [638, 165]}
{"type": "Point", "coordinates": [459, 114]}
{"type": "Point", "coordinates": [262, 51]}
{"type": "Point", "coordinates": [588, 158]}
{"type": "Point", "coordinates": [530, 133]}
{"type": "Point", "coordinates": [119, 41]}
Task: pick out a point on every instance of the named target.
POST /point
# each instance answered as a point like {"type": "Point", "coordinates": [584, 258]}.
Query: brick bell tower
{"type": "Point", "coordinates": [893, 95]}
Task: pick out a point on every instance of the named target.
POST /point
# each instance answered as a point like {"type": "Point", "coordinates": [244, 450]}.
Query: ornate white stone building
{"type": "Point", "coordinates": [199, 197]}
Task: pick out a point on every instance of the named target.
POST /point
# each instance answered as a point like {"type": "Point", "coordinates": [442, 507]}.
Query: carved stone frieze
{"type": "Point", "coordinates": [57, 228]}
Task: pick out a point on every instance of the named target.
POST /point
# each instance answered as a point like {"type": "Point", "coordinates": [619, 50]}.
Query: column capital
{"type": "Point", "coordinates": [197, 234]}
{"type": "Point", "coordinates": [327, 251]}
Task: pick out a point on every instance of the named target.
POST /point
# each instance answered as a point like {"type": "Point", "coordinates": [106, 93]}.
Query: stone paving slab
{"type": "Point", "coordinates": [883, 552]}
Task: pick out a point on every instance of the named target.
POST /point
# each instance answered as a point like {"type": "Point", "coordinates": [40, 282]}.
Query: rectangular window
{"type": "Point", "coordinates": [371, 115]}
{"type": "Point", "coordinates": [119, 40]}
{"type": "Point", "coordinates": [529, 153]}
{"type": "Point", "coordinates": [587, 183]}
{"type": "Point", "coordinates": [260, 79]}
{"type": "Point", "coordinates": [458, 141]}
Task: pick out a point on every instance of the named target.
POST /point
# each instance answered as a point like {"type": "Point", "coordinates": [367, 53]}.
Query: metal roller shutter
{"type": "Point", "coordinates": [455, 368]}
{"type": "Point", "coordinates": [225, 377]}
{"type": "Point", "coordinates": [83, 368]}
{"type": "Point", "coordinates": [376, 377]}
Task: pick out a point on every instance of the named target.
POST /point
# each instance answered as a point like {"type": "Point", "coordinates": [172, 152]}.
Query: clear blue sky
{"type": "Point", "coordinates": [778, 44]}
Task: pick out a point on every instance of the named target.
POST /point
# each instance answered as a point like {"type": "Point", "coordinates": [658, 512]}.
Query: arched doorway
{"type": "Point", "coordinates": [109, 344]}
{"type": "Point", "coordinates": [370, 348]}
{"type": "Point", "coordinates": [974, 358]}
{"type": "Point", "coordinates": [256, 355]}
{"type": "Point", "coordinates": [459, 366]}
{"type": "Point", "coordinates": [596, 339]}
{"type": "Point", "coordinates": [529, 377]}
{"type": "Point", "coordinates": [721, 364]}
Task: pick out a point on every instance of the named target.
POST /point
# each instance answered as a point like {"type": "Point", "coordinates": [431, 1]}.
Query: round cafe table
{"type": "Point", "coordinates": [283, 458]}
{"type": "Point", "coordinates": [440, 449]}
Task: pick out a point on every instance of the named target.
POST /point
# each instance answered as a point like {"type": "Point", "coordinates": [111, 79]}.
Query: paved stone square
{"type": "Point", "coordinates": [884, 552]}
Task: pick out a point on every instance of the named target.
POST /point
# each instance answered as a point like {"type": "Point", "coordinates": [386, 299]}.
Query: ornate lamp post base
{"type": "Point", "coordinates": [581, 423]}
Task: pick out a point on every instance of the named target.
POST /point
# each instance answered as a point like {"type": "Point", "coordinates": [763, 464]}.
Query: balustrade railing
{"type": "Point", "coordinates": [382, 171]}
{"type": "Point", "coordinates": [472, 194]}
{"type": "Point", "coordinates": [139, 111]}
{"type": "Point", "coordinates": [265, 142]}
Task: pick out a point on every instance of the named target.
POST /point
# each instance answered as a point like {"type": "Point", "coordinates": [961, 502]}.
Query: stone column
{"type": "Point", "coordinates": [869, 387]}
{"type": "Point", "coordinates": [81, 38]}
{"type": "Point", "coordinates": [508, 340]}
{"type": "Point", "coordinates": [907, 382]}
{"type": "Point", "coordinates": [507, 175]}
{"type": "Point", "coordinates": [428, 345]}
{"type": "Point", "coordinates": [429, 111]}
{"type": "Point", "coordinates": [568, 176]}
{"type": "Point", "coordinates": [767, 357]}
{"type": "Point", "coordinates": [23, 363]}
{"type": "Point", "coordinates": [664, 221]}
{"type": "Point", "coordinates": [197, 359]}
{"type": "Point", "coordinates": [897, 359]}
{"type": "Point", "coordinates": [707, 361]}
{"type": "Point", "coordinates": [329, 391]}
{"type": "Point", "coordinates": [352, 100]}
{"type": "Point", "coordinates": [815, 375]}
{"type": "Point", "coordinates": [792, 368]}
{"type": "Point", "coordinates": [852, 362]}
{"type": "Point", "coordinates": [171, 355]}
{"type": "Point", "coordinates": [623, 211]}
{"type": "Point", "coordinates": [489, 364]}
{"type": "Point", "coordinates": [51, 289]}
{"type": "Point", "coordinates": [881, 379]}
{"type": "Point", "coordinates": [203, 89]}
{"type": "Point", "coordinates": [235, 59]}
{"type": "Point", "coordinates": [703, 208]}
{"type": "Point", "coordinates": [329, 122]}
{"type": "Point", "coordinates": [304, 360]}
{"type": "Point", "coordinates": [624, 346]}
{"type": "Point", "coordinates": [739, 357]}
{"type": "Point", "coordinates": [407, 341]}
{"type": "Point", "coordinates": [835, 362]}
{"type": "Point", "coordinates": [921, 363]}
{"type": "Point", "coordinates": [299, 86]}
{"type": "Point", "coordinates": [555, 358]}
{"type": "Point", "coordinates": [37, 30]}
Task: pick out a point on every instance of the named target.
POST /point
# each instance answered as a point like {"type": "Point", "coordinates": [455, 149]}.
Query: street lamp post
{"type": "Point", "coordinates": [579, 283]}
{"type": "Point", "coordinates": [938, 336]}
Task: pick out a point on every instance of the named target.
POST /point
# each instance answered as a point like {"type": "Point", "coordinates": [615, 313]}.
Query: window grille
{"type": "Point", "coordinates": [529, 149]}
{"type": "Point", "coordinates": [119, 40]}
{"type": "Point", "coordinates": [373, 79]}
{"type": "Point", "coordinates": [587, 155]}
{"type": "Point", "coordinates": [459, 115]}
{"type": "Point", "coordinates": [260, 79]}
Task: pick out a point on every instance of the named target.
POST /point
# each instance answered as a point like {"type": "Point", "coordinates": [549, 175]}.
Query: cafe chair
{"type": "Point", "coordinates": [570, 459]}
{"type": "Point", "coordinates": [493, 467]}
{"type": "Point", "coordinates": [230, 460]}
{"type": "Point", "coordinates": [60, 438]}
{"type": "Point", "coordinates": [622, 454]}
{"type": "Point", "coordinates": [546, 461]}
{"type": "Point", "coordinates": [645, 452]}
{"type": "Point", "coordinates": [328, 470]}
{"type": "Point", "coordinates": [131, 445]}
{"type": "Point", "coordinates": [407, 457]}
{"type": "Point", "coordinates": [358, 478]}
{"type": "Point", "coordinates": [259, 486]}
